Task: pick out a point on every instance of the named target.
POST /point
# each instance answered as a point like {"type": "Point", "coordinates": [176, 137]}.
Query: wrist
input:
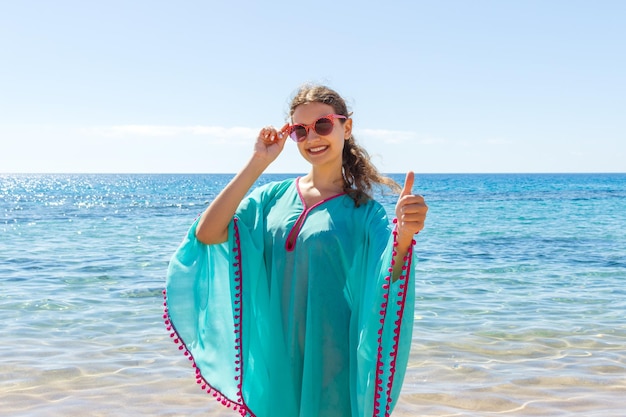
{"type": "Point", "coordinates": [403, 237]}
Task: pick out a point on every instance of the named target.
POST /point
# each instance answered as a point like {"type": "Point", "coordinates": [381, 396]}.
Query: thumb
{"type": "Point", "coordinates": [408, 184]}
{"type": "Point", "coordinates": [283, 132]}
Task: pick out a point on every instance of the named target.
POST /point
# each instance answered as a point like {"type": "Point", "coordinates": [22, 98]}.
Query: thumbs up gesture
{"type": "Point", "coordinates": [410, 211]}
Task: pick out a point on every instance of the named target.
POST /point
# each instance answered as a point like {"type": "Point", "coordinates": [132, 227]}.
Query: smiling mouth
{"type": "Point", "coordinates": [318, 149]}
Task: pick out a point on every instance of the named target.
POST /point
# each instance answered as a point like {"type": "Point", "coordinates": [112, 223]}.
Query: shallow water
{"type": "Point", "coordinates": [521, 309]}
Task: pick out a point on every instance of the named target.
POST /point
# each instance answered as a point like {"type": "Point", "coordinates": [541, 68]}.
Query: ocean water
{"type": "Point", "coordinates": [521, 299]}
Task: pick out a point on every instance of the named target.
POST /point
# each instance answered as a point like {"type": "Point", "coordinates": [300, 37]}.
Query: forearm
{"type": "Point", "coordinates": [405, 244]}
{"type": "Point", "coordinates": [213, 224]}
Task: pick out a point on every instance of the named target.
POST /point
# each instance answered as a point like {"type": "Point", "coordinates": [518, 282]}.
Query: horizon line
{"type": "Point", "coordinates": [302, 173]}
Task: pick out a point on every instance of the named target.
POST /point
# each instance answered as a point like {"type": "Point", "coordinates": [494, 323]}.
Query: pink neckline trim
{"type": "Point", "coordinates": [290, 245]}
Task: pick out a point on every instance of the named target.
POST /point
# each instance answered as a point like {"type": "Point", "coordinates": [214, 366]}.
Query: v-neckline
{"type": "Point", "coordinates": [303, 200]}
{"type": "Point", "coordinates": [290, 244]}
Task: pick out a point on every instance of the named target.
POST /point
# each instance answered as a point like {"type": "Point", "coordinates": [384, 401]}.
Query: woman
{"type": "Point", "coordinates": [297, 299]}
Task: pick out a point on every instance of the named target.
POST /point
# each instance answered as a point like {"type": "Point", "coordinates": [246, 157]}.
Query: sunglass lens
{"type": "Point", "coordinates": [324, 126]}
{"type": "Point", "coordinates": [298, 133]}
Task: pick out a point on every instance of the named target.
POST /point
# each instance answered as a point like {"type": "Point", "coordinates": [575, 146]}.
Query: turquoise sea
{"type": "Point", "coordinates": [521, 296]}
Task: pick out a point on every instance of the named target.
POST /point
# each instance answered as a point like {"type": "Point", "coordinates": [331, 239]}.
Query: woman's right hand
{"type": "Point", "coordinates": [270, 143]}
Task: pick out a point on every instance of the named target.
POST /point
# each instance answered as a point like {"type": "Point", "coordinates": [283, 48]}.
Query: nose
{"type": "Point", "coordinates": [311, 135]}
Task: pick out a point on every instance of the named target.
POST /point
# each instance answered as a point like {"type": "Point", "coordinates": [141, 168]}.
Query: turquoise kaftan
{"type": "Point", "coordinates": [295, 315]}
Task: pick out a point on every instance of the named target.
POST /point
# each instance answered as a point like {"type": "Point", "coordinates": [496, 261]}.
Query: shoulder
{"type": "Point", "coordinates": [263, 195]}
{"type": "Point", "coordinates": [371, 208]}
{"type": "Point", "coordinates": [275, 187]}
{"type": "Point", "coordinates": [270, 190]}
{"type": "Point", "coordinates": [370, 217]}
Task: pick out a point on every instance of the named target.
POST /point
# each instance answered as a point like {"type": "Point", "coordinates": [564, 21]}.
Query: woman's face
{"type": "Point", "coordinates": [322, 150]}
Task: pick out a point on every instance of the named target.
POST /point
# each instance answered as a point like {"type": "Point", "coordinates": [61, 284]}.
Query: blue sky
{"type": "Point", "coordinates": [435, 86]}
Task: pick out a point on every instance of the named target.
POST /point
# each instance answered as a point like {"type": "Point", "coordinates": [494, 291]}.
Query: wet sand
{"type": "Point", "coordinates": [442, 380]}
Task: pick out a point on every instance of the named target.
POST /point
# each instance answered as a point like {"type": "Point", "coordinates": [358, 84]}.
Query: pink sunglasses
{"type": "Point", "coordinates": [322, 126]}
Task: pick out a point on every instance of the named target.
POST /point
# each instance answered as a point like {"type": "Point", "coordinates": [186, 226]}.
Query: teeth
{"type": "Point", "coordinates": [319, 148]}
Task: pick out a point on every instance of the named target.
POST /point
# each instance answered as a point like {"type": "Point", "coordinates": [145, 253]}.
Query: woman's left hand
{"type": "Point", "coordinates": [411, 211]}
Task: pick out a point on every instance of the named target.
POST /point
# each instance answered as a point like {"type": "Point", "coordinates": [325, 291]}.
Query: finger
{"type": "Point", "coordinates": [413, 217]}
{"type": "Point", "coordinates": [408, 184]}
{"type": "Point", "coordinates": [414, 208]}
{"type": "Point", "coordinates": [268, 134]}
{"type": "Point", "coordinates": [283, 132]}
{"type": "Point", "coordinates": [414, 199]}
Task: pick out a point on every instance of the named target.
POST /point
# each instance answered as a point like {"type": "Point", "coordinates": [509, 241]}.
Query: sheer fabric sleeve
{"type": "Point", "coordinates": [209, 289]}
{"type": "Point", "coordinates": [382, 321]}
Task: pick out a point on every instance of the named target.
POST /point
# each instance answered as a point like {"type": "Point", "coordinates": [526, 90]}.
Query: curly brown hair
{"type": "Point", "coordinates": [359, 174]}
